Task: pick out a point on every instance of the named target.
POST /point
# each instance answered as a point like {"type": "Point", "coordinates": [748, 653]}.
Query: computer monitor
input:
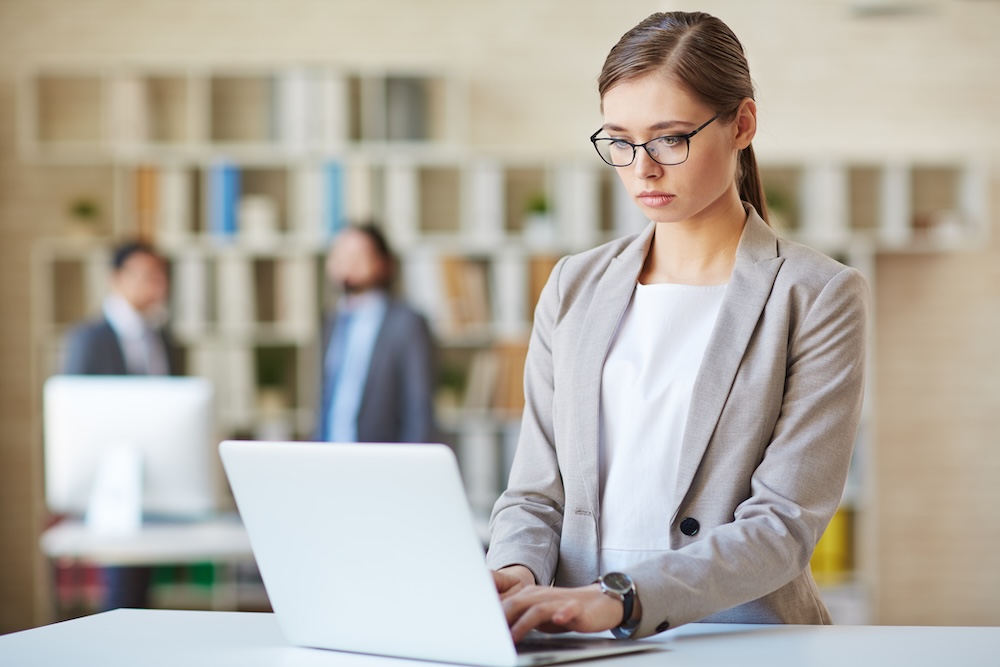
{"type": "Point", "coordinates": [166, 421]}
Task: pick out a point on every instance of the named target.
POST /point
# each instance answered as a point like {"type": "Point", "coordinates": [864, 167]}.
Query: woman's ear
{"type": "Point", "coordinates": [746, 123]}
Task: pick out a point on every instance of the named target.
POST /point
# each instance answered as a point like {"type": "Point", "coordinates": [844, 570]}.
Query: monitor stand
{"type": "Point", "coordinates": [115, 506]}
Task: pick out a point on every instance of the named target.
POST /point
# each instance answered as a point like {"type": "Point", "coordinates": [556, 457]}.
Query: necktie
{"type": "Point", "coordinates": [153, 353]}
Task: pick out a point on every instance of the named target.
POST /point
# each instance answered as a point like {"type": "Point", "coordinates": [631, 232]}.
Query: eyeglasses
{"type": "Point", "coordinates": [668, 150]}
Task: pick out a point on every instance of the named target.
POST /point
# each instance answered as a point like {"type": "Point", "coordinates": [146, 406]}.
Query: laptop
{"type": "Point", "coordinates": [372, 548]}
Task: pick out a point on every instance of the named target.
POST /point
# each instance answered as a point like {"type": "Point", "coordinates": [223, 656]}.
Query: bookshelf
{"type": "Point", "coordinates": [243, 173]}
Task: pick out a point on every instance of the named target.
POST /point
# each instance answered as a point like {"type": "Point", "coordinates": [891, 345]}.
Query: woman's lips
{"type": "Point", "coordinates": [655, 199]}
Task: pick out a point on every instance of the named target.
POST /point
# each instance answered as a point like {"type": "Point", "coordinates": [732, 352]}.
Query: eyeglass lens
{"type": "Point", "coordinates": [665, 150]}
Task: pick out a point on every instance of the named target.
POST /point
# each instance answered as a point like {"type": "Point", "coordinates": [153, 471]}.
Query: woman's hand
{"type": "Point", "coordinates": [511, 579]}
{"type": "Point", "coordinates": [551, 609]}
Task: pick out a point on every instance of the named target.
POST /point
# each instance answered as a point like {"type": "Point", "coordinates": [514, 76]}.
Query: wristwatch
{"type": "Point", "coordinates": [621, 587]}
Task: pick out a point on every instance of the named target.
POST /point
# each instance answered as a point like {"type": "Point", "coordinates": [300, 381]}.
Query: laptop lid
{"type": "Point", "coordinates": [372, 548]}
{"type": "Point", "coordinates": [369, 548]}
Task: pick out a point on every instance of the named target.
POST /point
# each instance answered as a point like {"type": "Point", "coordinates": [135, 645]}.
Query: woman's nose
{"type": "Point", "coordinates": [644, 166]}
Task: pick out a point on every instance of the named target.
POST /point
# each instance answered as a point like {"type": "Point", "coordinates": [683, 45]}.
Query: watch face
{"type": "Point", "coordinates": [618, 582]}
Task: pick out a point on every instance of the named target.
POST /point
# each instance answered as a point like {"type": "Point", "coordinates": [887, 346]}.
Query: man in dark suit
{"type": "Point", "coordinates": [378, 357]}
{"type": "Point", "coordinates": [128, 338]}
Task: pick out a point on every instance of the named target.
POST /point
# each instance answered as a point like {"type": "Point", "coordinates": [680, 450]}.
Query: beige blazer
{"type": "Point", "coordinates": [773, 419]}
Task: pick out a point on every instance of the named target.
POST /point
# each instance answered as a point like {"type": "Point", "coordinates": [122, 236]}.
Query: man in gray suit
{"type": "Point", "coordinates": [128, 338]}
{"type": "Point", "coordinates": [378, 378]}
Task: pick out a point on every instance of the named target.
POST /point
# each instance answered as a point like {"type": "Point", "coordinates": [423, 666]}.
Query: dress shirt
{"type": "Point", "coordinates": [348, 357]}
{"type": "Point", "coordinates": [646, 391]}
{"type": "Point", "coordinates": [141, 342]}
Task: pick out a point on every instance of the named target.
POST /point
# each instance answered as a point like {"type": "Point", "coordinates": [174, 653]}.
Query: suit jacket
{"type": "Point", "coordinates": [93, 348]}
{"type": "Point", "coordinates": [768, 439]}
{"type": "Point", "coordinates": [398, 399]}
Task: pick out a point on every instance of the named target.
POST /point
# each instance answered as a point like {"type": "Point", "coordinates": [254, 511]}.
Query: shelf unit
{"type": "Point", "coordinates": [242, 174]}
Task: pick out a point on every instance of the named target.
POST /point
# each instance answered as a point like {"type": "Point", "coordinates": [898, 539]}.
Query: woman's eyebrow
{"type": "Point", "coordinates": [656, 127]}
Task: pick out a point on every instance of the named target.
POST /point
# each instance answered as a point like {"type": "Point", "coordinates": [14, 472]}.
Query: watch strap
{"type": "Point", "coordinates": [628, 626]}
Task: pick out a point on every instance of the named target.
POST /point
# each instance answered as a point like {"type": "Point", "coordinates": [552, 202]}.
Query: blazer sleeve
{"type": "Point", "coordinates": [92, 349]}
{"type": "Point", "coordinates": [795, 488]}
{"type": "Point", "coordinates": [417, 383]}
{"type": "Point", "coordinates": [526, 523]}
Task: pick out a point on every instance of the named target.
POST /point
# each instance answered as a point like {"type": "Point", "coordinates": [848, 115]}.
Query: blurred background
{"type": "Point", "coordinates": [461, 126]}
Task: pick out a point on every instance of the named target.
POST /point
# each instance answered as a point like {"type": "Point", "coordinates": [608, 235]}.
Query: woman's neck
{"type": "Point", "coordinates": [695, 252]}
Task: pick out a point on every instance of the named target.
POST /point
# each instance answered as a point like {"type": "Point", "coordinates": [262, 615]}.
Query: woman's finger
{"type": "Point", "coordinates": [533, 617]}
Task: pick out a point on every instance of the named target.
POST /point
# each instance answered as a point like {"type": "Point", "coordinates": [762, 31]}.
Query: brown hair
{"type": "Point", "coordinates": [382, 249]}
{"type": "Point", "coordinates": [704, 55]}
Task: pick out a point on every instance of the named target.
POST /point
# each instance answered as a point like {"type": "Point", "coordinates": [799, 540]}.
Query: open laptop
{"type": "Point", "coordinates": [372, 548]}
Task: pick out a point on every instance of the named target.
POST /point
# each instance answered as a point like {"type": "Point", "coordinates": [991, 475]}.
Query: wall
{"type": "Point", "coordinates": [831, 84]}
{"type": "Point", "coordinates": [938, 435]}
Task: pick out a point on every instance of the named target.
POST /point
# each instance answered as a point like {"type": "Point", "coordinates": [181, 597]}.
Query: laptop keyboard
{"type": "Point", "coordinates": [545, 644]}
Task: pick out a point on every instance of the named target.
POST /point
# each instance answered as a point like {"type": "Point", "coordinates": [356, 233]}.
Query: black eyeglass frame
{"type": "Point", "coordinates": [686, 137]}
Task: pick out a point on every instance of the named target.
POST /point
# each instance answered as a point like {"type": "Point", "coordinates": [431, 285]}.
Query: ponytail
{"type": "Point", "coordinates": [749, 184]}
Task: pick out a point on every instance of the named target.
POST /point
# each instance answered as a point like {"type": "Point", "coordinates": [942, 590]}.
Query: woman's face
{"type": "Point", "coordinates": [656, 105]}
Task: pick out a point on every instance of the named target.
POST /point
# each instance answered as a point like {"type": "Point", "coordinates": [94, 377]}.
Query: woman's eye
{"type": "Point", "coordinates": [620, 144]}
{"type": "Point", "coordinates": [668, 142]}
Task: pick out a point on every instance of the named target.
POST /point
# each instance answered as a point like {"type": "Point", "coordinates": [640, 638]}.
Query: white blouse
{"type": "Point", "coordinates": [645, 394]}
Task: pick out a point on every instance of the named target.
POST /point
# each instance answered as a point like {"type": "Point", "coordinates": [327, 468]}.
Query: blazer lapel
{"type": "Point", "coordinates": [611, 297]}
{"type": "Point", "coordinates": [756, 267]}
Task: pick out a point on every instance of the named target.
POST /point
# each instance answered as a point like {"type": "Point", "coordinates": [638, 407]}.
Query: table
{"type": "Point", "coordinates": [157, 638]}
{"type": "Point", "coordinates": [221, 540]}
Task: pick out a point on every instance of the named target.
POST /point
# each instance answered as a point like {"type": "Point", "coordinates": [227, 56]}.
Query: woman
{"type": "Point", "coordinates": [692, 392]}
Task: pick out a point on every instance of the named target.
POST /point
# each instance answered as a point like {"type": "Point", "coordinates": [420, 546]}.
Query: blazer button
{"type": "Point", "coordinates": [690, 526]}
{"type": "Point", "coordinates": [663, 627]}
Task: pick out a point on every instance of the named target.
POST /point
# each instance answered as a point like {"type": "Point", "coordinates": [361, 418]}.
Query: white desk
{"type": "Point", "coordinates": [221, 538]}
{"type": "Point", "coordinates": [157, 638]}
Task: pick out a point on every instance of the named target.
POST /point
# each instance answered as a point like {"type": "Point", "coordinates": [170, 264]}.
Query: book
{"type": "Point", "coordinates": [333, 105]}
{"type": "Point", "coordinates": [235, 294]}
{"type": "Point", "coordinates": [129, 112]}
{"type": "Point", "coordinates": [224, 195]}
{"type": "Point", "coordinates": [483, 214]}
{"type": "Point", "coordinates": [173, 206]}
{"type": "Point", "coordinates": [241, 391]}
{"type": "Point", "coordinates": [295, 109]}
{"type": "Point", "coordinates": [402, 203]}
{"type": "Point", "coordinates": [465, 295]}
{"type": "Point", "coordinates": [509, 295]}
{"type": "Point", "coordinates": [359, 190]}
{"type": "Point", "coordinates": [230, 368]}
{"type": "Point", "coordinates": [190, 296]}
{"type": "Point", "coordinates": [297, 301]}
{"type": "Point", "coordinates": [481, 382]}
{"type": "Point", "coordinates": [146, 203]}
{"type": "Point", "coordinates": [307, 204]}
{"type": "Point", "coordinates": [318, 201]}
{"type": "Point", "coordinates": [333, 199]}
{"type": "Point", "coordinates": [508, 398]}
{"type": "Point", "coordinates": [406, 105]}
{"type": "Point", "coordinates": [422, 280]}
